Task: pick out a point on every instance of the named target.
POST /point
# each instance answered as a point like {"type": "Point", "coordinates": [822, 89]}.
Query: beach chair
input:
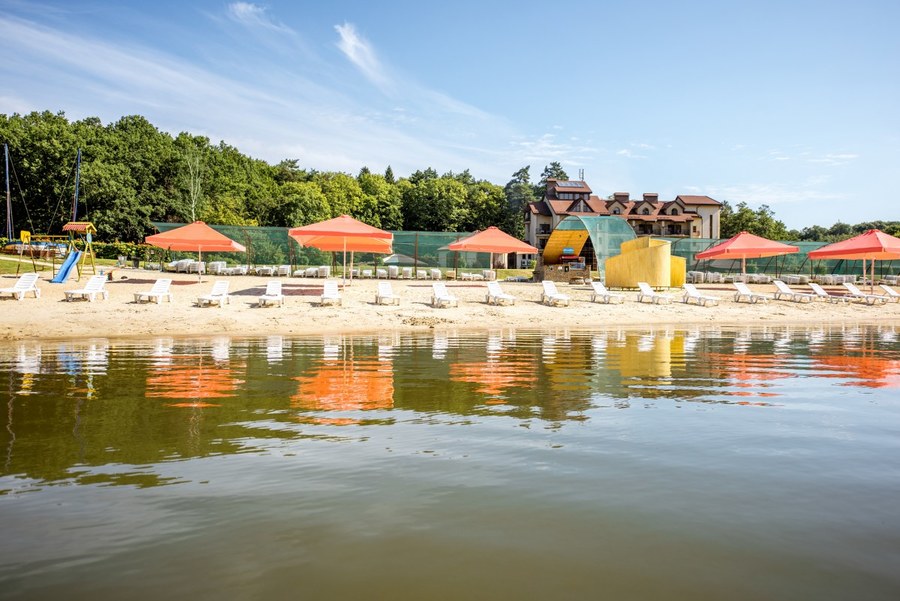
{"type": "Point", "coordinates": [367, 273]}
{"type": "Point", "coordinates": [272, 295]}
{"type": "Point", "coordinates": [823, 294]}
{"type": "Point", "coordinates": [496, 296]}
{"type": "Point", "coordinates": [381, 274]}
{"type": "Point", "coordinates": [552, 296]}
{"type": "Point", "coordinates": [330, 294]}
{"type": "Point", "coordinates": [648, 293]}
{"type": "Point", "coordinates": [783, 290]}
{"type": "Point", "coordinates": [26, 283]}
{"type": "Point", "coordinates": [599, 291]}
{"type": "Point", "coordinates": [744, 292]}
{"type": "Point", "coordinates": [691, 294]}
{"type": "Point", "coordinates": [436, 274]}
{"type": "Point", "coordinates": [91, 290]}
{"type": "Point", "coordinates": [217, 296]}
{"type": "Point", "coordinates": [158, 292]}
{"type": "Point", "coordinates": [385, 294]}
{"type": "Point", "coordinates": [440, 297]}
{"type": "Point", "coordinates": [407, 273]}
{"type": "Point", "coordinates": [892, 295]}
{"type": "Point", "coordinates": [421, 274]}
{"type": "Point", "coordinates": [393, 272]}
{"type": "Point", "coordinates": [216, 267]}
{"type": "Point", "coordinates": [858, 294]}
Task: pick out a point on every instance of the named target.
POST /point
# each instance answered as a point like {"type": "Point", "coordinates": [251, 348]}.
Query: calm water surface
{"type": "Point", "coordinates": [659, 464]}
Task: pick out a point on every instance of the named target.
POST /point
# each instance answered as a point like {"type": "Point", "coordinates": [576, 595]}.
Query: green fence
{"type": "Point", "coordinates": [273, 246]}
{"type": "Point", "coordinates": [794, 263]}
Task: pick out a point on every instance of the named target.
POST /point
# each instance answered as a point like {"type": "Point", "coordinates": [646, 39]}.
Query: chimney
{"type": "Point", "coordinates": [651, 196]}
{"type": "Point", "coordinates": [621, 196]}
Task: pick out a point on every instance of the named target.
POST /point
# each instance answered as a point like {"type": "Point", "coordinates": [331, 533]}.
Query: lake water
{"type": "Point", "coordinates": [658, 464]}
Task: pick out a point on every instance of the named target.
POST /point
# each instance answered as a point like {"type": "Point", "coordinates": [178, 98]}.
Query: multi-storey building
{"type": "Point", "coordinates": [687, 216]}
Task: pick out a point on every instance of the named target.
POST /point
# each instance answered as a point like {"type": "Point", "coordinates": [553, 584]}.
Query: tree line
{"type": "Point", "coordinates": [132, 174]}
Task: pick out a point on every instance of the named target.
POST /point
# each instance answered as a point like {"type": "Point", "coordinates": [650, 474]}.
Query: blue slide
{"type": "Point", "coordinates": [63, 274]}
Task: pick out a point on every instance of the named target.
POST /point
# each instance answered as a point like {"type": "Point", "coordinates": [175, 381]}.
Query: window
{"type": "Point", "coordinates": [673, 212]}
{"type": "Point", "coordinates": [616, 211]}
{"type": "Point", "coordinates": [646, 211]}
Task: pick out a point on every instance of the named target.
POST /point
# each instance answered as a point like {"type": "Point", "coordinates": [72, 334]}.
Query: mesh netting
{"type": "Point", "coordinates": [273, 246]}
{"type": "Point", "coordinates": [794, 263]}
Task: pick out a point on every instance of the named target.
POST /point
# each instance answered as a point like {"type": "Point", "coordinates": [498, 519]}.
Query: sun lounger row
{"type": "Point", "coordinates": [441, 297]}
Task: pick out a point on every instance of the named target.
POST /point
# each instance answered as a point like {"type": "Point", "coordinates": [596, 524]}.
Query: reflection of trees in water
{"type": "Point", "coordinates": [85, 406]}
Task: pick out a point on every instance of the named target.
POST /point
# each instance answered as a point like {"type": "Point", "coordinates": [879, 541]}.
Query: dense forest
{"type": "Point", "coordinates": [132, 173]}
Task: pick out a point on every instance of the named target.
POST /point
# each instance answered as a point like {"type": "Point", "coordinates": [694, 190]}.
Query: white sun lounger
{"type": "Point", "coordinates": [330, 294]}
{"type": "Point", "coordinates": [272, 296]}
{"type": "Point", "coordinates": [217, 296]}
{"type": "Point", "coordinates": [743, 292]}
{"type": "Point", "coordinates": [892, 295]}
{"type": "Point", "coordinates": [552, 296]}
{"type": "Point", "coordinates": [691, 294]}
{"type": "Point", "coordinates": [648, 293]}
{"type": "Point", "coordinates": [385, 294]}
{"type": "Point", "coordinates": [823, 294]}
{"type": "Point", "coordinates": [599, 291]}
{"type": "Point", "coordinates": [782, 289]}
{"type": "Point", "coordinates": [860, 295]}
{"type": "Point", "coordinates": [26, 283]}
{"type": "Point", "coordinates": [158, 292]}
{"type": "Point", "coordinates": [91, 290]}
{"type": "Point", "coordinates": [440, 297]}
{"type": "Point", "coordinates": [496, 296]}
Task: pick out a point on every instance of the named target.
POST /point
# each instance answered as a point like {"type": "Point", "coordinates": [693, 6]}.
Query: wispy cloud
{"type": "Point", "coordinates": [253, 15]}
{"type": "Point", "coordinates": [834, 159]}
{"type": "Point", "coordinates": [287, 109]}
{"type": "Point", "coordinates": [546, 149]}
{"type": "Point", "coordinates": [628, 154]}
{"type": "Point", "coordinates": [809, 191]}
{"type": "Point", "coordinates": [360, 52]}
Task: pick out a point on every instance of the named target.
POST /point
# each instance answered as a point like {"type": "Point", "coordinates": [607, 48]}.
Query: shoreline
{"type": "Point", "coordinates": [52, 318]}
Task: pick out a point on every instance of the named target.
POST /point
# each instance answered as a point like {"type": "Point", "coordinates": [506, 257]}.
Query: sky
{"type": "Point", "coordinates": [792, 104]}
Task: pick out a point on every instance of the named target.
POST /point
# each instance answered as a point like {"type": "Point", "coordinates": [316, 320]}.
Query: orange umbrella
{"type": "Point", "coordinates": [343, 233]}
{"type": "Point", "coordinates": [874, 244]}
{"type": "Point", "coordinates": [492, 240]}
{"type": "Point", "coordinates": [195, 237]}
{"type": "Point", "coordinates": [746, 246]}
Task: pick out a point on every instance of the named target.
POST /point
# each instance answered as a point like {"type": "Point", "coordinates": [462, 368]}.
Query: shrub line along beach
{"type": "Point", "coordinates": [51, 317]}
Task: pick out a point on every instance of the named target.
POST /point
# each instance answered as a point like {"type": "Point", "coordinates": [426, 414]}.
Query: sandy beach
{"type": "Point", "coordinates": [52, 317]}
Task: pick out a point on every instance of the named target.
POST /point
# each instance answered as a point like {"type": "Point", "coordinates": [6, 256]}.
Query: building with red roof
{"type": "Point", "coordinates": [687, 216]}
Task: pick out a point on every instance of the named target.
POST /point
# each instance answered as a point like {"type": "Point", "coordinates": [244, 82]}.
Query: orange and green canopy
{"type": "Point", "coordinates": [195, 237]}
{"type": "Point", "coordinates": [343, 233]}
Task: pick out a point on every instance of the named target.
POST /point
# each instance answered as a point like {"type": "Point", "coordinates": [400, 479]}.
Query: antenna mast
{"type": "Point", "coordinates": [9, 219]}
{"type": "Point", "coordinates": [77, 180]}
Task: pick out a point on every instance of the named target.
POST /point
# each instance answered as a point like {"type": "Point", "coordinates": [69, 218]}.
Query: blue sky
{"type": "Point", "coordinates": [790, 104]}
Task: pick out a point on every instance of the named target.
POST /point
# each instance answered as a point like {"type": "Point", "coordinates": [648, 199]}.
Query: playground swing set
{"type": "Point", "coordinates": [78, 233]}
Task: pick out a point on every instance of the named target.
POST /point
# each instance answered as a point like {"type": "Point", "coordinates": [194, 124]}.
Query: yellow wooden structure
{"type": "Point", "coordinates": [86, 231]}
{"type": "Point", "coordinates": [648, 260]}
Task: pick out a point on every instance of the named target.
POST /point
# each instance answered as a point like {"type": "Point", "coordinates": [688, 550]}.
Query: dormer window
{"type": "Point", "coordinates": [674, 212]}
{"type": "Point", "coordinates": [617, 211]}
{"type": "Point", "coordinates": [646, 211]}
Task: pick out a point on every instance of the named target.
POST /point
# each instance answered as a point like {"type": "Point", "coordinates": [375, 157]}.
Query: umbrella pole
{"type": "Point", "coordinates": [351, 266]}
{"type": "Point", "coordinates": [344, 270]}
{"type": "Point", "coordinates": [199, 260]}
{"type": "Point", "coordinates": [743, 265]}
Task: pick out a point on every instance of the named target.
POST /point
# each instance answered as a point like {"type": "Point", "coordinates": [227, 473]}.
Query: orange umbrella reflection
{"type": "Point", "coordinates": [867, 371]}
{"type": "Point", "coordinates": [185, 379]}
{"type": "Point", "coordinates": [749, 371]}
{"type": "Point", "coordinates": [346, 385]}
{"type": "Point", "coordinates": [492, 378]}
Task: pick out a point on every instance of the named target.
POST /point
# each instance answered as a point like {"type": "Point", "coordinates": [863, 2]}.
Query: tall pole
{"type": "Point", "coordinates": [9, 221]}
{"type": "Point", "coordinates": [77, 181]}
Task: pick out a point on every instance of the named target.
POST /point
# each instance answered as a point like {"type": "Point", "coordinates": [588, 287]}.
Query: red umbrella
{"type": "Point", "coordinates": [343, 233]}
{"type": "Point", "coordinates": [195, 237]}
{"type": "Point", "coordinates": [492, 240]}
{"type": "Point", "coordinates": [874, 244]}
{"type": "Point", "coordinates": [746, 246]}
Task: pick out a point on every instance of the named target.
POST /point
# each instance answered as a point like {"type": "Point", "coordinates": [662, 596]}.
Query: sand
{"type": "Point", "coordinates": [52, 317]}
